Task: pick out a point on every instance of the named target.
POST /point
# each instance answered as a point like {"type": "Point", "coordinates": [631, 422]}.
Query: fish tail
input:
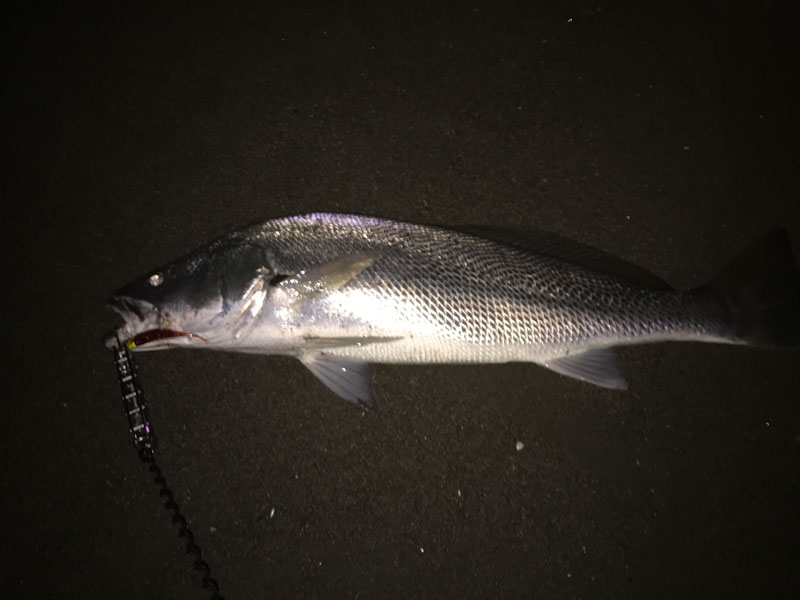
{"type": "Point", "coordinates": [762, 288]}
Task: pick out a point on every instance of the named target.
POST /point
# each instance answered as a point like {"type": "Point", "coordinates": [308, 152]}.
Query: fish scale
{"type": "Point", "coordinates": [445, 286]}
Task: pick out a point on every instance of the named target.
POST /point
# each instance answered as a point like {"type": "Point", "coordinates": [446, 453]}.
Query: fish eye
{"type": "Point", "coordinates": [156, 279]}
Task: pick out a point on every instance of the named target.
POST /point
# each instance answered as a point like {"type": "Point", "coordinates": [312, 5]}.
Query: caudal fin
{"type": "Point", "coordinates": [762, 287]}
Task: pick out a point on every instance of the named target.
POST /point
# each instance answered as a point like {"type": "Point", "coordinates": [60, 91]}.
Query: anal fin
{"type": "Point", "coordinates": [598, 366]}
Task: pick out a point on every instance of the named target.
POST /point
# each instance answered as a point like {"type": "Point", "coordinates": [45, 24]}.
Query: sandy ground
{"type": "Point", "coordinates": [666, 137]}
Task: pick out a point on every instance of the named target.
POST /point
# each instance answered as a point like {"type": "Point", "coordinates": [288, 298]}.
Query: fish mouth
{"type": "Point", "coordinates": [144, 326]}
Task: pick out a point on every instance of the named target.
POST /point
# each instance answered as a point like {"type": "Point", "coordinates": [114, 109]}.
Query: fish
{"type": "Point", "coordinates": [340, 291]}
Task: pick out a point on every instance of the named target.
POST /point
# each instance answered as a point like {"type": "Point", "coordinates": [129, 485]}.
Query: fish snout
{"type": "Point", "coordinates": [128, 307]}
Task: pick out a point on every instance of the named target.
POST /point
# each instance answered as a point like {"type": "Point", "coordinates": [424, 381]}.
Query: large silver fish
{"type": "Point", "coordinates": [339, 291]}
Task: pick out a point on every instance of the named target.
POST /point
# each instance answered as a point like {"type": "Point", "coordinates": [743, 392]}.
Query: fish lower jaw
{"type": "Point", "coordinates": [119, 336]}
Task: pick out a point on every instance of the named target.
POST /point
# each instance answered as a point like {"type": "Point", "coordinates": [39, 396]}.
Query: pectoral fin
{"type": "Point", "coordinates": [349, 380]}
{"type": "Point", "coordinates": [314, 343]}
{"type": "Point", "coordinates": [597, 366]}
{"type": "Point", "coordinates": [324, 279]}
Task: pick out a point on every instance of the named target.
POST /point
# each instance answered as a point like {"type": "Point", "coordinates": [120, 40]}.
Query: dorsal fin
{"type": "Point", "coordinates": [567, 250]}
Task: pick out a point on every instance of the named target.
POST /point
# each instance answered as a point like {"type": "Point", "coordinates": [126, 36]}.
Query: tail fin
{"type": "Point", "coordinates": [762, 287]}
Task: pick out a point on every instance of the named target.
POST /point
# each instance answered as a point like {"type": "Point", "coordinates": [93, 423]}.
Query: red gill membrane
{"type": "Point", "coordinates": [158, 334]}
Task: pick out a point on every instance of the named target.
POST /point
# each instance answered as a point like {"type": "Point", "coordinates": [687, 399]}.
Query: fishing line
{"type": "Point", "coordinates": [144, 442]}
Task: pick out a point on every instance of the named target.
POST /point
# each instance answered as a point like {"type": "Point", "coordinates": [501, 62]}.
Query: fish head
{"type": "Point", "coordinates": [203, 299]}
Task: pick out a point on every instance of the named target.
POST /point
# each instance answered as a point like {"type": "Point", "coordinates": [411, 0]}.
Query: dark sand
{"type": "Point", "coordinates": [667, 137]}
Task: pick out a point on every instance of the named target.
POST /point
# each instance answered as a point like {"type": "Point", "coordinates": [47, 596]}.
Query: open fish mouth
{"type": "Point", "coordinates": [142, 326]}
{"type": "Point", "coordinates": [154, 335]}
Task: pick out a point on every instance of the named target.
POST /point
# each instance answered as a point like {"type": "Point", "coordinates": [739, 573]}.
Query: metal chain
{"type": "Point", "coordinates": [192, 548]}
{"type": "Point", "coordinates": [145, 443]}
